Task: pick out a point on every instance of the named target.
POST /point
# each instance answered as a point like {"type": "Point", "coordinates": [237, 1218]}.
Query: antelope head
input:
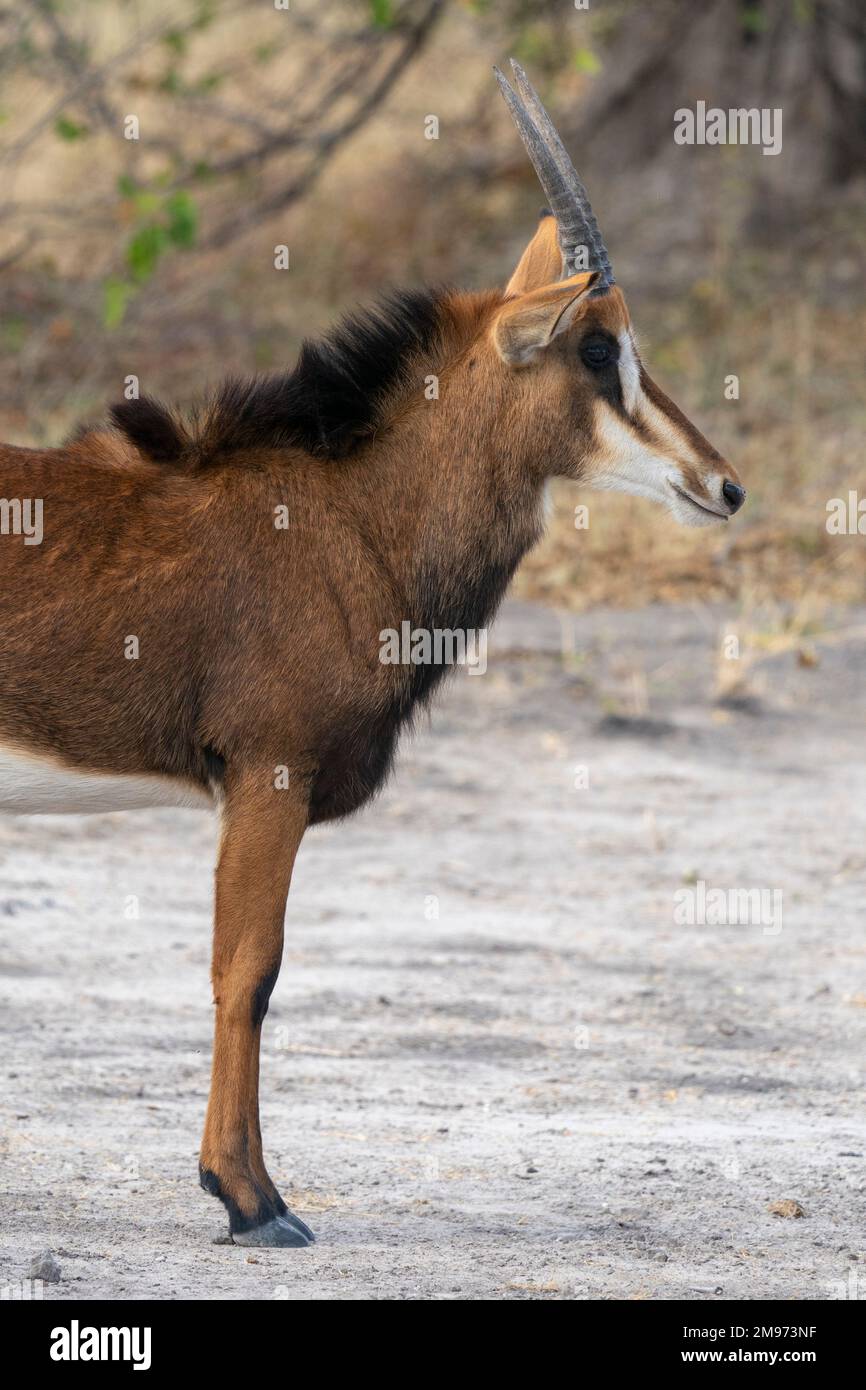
{"type": "Point", "coordinates": [565, 333]}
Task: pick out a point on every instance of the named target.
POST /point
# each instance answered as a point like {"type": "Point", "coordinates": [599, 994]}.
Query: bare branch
{"type": "Point", "coordinates": [330, 142]}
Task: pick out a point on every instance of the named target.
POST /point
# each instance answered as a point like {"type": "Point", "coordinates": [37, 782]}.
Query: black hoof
{"type": "Point", "coordinates": [286, 1231]}
{"type": "Point", "coordinates": [273, 1224]}
{"type": "Point", "coordinates": [301, 1225]}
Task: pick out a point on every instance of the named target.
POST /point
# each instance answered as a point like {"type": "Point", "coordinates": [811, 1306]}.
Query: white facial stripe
{"type": "Point", "coordinates": [625, 463]}
{"type": "Point", "coordinates": [626, 460]}
{"type": "Point", "coordinates": [665, 430]}
{"type": "Point", "coordinates": [639, 405]}
{"type": "Point", "coordinates": [629, 372]}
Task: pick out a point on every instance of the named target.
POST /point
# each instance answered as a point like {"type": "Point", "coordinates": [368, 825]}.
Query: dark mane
{"type": "Point", "coordinates": [332, 398]}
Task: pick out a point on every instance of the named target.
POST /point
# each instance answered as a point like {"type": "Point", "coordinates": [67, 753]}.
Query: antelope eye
{"type": "Point", "coordinates": [597, 353]}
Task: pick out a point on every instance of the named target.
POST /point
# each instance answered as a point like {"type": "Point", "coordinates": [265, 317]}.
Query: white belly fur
{"type": "Point", "coordinates": [34, 786]}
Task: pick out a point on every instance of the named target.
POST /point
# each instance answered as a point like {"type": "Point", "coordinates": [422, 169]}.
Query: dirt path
{"type": "Point", "coordinates": [496, 1064]}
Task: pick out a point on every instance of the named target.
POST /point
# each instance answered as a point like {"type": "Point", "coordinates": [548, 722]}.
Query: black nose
{"type": "Point", "coordinates": [734, 495]}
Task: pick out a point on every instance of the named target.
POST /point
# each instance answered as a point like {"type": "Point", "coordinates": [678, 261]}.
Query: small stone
{"type": "Point", "coordinates": [787, 1208]}
{"type": "Point", "coordinates": [46, 1268]}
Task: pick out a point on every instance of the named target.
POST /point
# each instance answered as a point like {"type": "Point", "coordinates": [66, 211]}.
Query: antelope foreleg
{"type": "Point", "coordinates": [262, 829]}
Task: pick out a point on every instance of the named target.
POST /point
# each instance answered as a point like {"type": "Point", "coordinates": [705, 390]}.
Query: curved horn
{"type": "Point", "coordinates": [568, 198]}
{"type": "Point", "coordinates": [570, 175]}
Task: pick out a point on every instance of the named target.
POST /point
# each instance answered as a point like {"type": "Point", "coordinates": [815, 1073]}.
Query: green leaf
{"type": "Point", "coordinates": [182, 219]}
{"type": "Point", "coordinates": [176, 40]}
{"type": "Point", "coordinates": [126, 186]}
{"type": "Point", "coordinates": [146, 202]}
{"type": "Point", "coordinates": [209, 83]}
{"type": "Point", "coordinates": [205, 15]}
{"type": "Point", "coordinates": [586, 61]}
{"type": "Point", "coordinates": [116, 295]}
{"type": "Point", "coordinates": [532, 46]}
{"type": "Point", "coordinates": [69, 130]}
{"type": "Point", "coordinates": [382, 13]}
{"type": "Point", "coordinates": [144, 250]}
{"type": "Point", "coordinates": [171, 82]}
{"type": "Point", "coordinates": [753, 20]}
{"type": "Point", "coordinates": [13, 332]}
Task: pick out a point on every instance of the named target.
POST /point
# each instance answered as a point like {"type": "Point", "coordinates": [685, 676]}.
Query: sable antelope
{"type": "Point", "coordinates": [256, 684]}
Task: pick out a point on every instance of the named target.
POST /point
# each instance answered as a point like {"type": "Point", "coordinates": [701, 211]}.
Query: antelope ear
{"type": "Point", "coordinates": [541, 262]}
{"type": "Point", "coordinates": [527, 324]}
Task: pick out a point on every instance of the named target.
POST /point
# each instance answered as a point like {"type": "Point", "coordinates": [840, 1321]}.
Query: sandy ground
{"type": "Point", "coordinates": [496, 1064]}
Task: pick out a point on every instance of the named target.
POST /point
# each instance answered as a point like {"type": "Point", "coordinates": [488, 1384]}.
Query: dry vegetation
{"type": "Point", "coordinates": [730, 293]}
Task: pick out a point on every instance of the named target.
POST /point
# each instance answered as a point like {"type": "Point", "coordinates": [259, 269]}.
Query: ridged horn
{"type": "Point", "coordinates": [568, 199]}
